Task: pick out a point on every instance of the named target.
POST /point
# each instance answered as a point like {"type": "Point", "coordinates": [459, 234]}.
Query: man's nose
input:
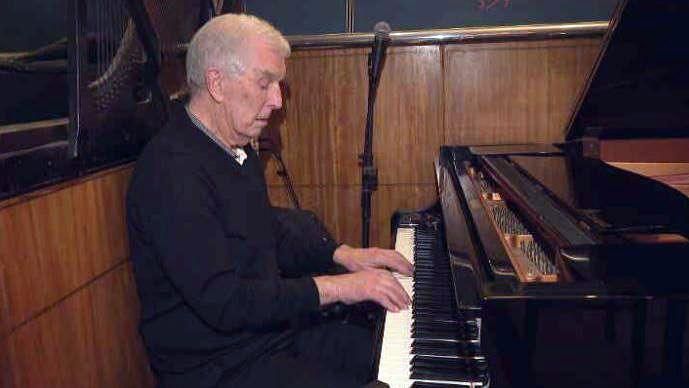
{"type": "Point", "coordinates": [275, 97]}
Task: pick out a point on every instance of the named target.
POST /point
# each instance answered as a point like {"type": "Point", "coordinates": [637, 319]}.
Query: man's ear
{"type": "Point", "coordinates": [214, 84]}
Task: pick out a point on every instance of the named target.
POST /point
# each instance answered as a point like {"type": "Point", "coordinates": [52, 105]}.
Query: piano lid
{"type": "Point", "coordinates": [639, 86]}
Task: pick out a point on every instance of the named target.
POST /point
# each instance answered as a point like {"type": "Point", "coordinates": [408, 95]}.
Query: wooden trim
{"type": "Point", "coordinates": [454, 35]}
{"type": "Point", "coordinates": [21, 127]}
{"type": "Point", "coordinates": [595, 29]}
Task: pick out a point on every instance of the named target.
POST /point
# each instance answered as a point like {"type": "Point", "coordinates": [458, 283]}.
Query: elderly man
{"type": "Point", "coordinates": [225, 287]}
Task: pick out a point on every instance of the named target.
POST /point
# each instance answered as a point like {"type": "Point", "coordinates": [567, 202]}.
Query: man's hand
{"type": "Point", "coordinates": [359, 259]}
{"type": "Point", "coordinates": [375, 285]}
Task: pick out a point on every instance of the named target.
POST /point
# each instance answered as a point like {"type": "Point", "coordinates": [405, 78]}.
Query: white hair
{"type": "Point", "coordinates": [220, 42]}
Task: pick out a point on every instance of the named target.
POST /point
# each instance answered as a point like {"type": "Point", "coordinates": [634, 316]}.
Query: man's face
{"type": "Point", "coordinates": [252, 96]}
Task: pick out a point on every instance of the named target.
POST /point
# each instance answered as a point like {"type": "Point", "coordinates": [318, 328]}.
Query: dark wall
{"type": "Point", "coordinates": [29, 24]}
{"type": "Point", "coordinates": [413, 14]}
{"type": "Point", "coordinates": [33, 97]}
{"type": "Point", "coordinates": [301, 17]}
{"type": "Point", "coordinates": [317, 16]}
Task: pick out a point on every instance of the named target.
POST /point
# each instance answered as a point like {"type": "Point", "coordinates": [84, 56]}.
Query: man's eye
{"type": "Point", "coordinates": [263, 84]}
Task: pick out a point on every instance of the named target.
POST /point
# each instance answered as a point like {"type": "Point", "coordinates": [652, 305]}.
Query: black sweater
{"type": "Point", "coordinates": [206, 249]}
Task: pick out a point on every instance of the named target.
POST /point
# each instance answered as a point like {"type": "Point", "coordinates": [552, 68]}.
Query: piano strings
{"type": "Point", "coordinates": [527, 255]}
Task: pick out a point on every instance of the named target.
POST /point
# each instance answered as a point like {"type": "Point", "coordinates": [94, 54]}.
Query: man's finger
{"type": "Point", "coordinates": [399, 264]}
{"type": "Point", "coordinates": [387, 303]}
{"type": "Point", "coordinates": [397, 293]}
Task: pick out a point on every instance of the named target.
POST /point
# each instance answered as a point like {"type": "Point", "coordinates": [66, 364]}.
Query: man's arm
{"type": "Point", "coordinates": [360, 259]}
{"type": "Point", "coordinates": [371, 278]}
{"type": "Point", "coordinates": [202, 261]}
{"type": "Point", "coordinates": [304, 245]}
{"type": "Point", "coordinates": [376, 285]}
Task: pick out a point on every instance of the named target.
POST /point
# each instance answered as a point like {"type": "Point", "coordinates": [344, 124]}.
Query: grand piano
{"type": "Point", "coordinates": [562, 265]}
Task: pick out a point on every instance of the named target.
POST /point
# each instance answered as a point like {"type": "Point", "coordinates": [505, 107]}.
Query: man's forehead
{"type": "Point", "coordinates": [272, 74]}
{"type": "Point", "coordinates": [267, 60]}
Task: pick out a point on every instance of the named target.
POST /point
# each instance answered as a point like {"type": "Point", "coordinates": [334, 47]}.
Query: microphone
{"type": "Point", "coordinates": [381, 40]}
{"type": "Point", "coordinates": [369, 172]}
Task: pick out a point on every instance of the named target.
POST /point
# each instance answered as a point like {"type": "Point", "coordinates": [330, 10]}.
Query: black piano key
{"type": "Point", "coordinates": [430, 296]}
{"type": "Point", "coordinates": [440, 364]}
{"type": "Point", "coordinates": [440, 352]}
{"type": "Point", "coordinates": [439, 328]}
{"type": "Point", "coordinates": [431, 320]}
{"type": "Point", "coordinates": [437, 374]}
{"type": "Point", "coordinates": [435, 333]}
{"type": "Point", "coordinates": [445, 348]}
{"type": "Point", "coordinates": [449, 344]}
{"type": "Point", "coordinates": [440, 325]}
{"type": "Point", "coordinates": [424, 296]}
{"type": "Point", "coordinates": [439, 305]}
{"type": "Point", "coordinates": [430, 291]}
{"type": "Point", "coordinates": [471, 366]}
{"type": "Point", "coordinates": [456, 334]}
{"type": "Point", "coordinates": [424, 384]}
{"type": "Point", "coordinates": [440, 313]}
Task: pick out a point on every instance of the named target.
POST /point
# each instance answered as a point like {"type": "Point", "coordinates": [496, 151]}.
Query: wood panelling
{"type": "Point", "coordinates": [325, 98]}
{"type": "Point", "coordinates": [518, 92]}
{"type": "Point", "coordinates": [408, 120]}
{"type": "Point", "coordinates": [70, 304]}
{"type": "Point", "coordinates": [88, 340]}
{"type": "Point", "coordinates": [323, 120]}
{"type": "Point", "coordinates": [54, 243]}
{"type": "Point", "coordinates": [487, 93]}
{"type": "Point", "coordinates": [119, 355]}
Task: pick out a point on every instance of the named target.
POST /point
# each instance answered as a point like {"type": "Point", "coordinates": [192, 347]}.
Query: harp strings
{"type": "Point", "coordinates": [109, 22]}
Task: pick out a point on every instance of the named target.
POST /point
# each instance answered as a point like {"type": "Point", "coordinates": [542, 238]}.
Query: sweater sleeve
{"type": "Point", "coordinates": [304, 243]}
{"type": "Point", "coordinates": [202, 261]}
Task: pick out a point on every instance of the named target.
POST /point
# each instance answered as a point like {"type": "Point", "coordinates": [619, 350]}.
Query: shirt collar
{"type": "Point", "coordinates": [236, 153]}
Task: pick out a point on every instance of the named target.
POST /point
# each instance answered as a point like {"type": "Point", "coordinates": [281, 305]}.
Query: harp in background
{"type": "Point", "coordinates": [91, 98]}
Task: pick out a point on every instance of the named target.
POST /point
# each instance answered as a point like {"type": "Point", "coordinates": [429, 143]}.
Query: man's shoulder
{"type": "Point", "coordinates": [166, 151]}
{"type": "Point", "coordinates": [177, 137]}
{"type": "Point", "coordinates": [169, 157]}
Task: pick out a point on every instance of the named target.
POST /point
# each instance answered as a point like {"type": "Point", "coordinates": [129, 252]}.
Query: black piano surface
{"type": "Point", "coordinates": [615, 317]}
{"type": "Point", "coordinates": [615, 312]}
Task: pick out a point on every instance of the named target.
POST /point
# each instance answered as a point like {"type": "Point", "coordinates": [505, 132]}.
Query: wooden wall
{"type": "Point", "coordinates": [68, 304]}
{"type": "Point", "coordinates": [481, 93]}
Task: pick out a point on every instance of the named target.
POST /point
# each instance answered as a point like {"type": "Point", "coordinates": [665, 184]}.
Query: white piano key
{"type": "Point", "coordinates": [395, 354]}
{"type": "Point", "coordinates": [395, 357]}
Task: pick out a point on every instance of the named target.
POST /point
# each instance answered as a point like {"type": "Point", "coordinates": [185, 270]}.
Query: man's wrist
{"type": "Point", "coordinates": [328, 290]}
{"type": "Point", "coordinates": [341, 257]}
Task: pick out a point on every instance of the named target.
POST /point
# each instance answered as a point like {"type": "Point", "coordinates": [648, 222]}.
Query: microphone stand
{"type": "Point", "coordinates": [282, 173]}
{"type": "Point", "coordinates": [369, 172]}
{"type": "Point", "coordinates": [274, 149]}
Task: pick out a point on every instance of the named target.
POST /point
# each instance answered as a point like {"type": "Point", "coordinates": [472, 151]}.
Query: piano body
{"type": "Point", "coordinates": [562, 265]}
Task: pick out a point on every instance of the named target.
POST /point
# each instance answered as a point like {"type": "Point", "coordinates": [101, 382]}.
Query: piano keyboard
{"type": "Point", "coordinates": [430, 345]}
